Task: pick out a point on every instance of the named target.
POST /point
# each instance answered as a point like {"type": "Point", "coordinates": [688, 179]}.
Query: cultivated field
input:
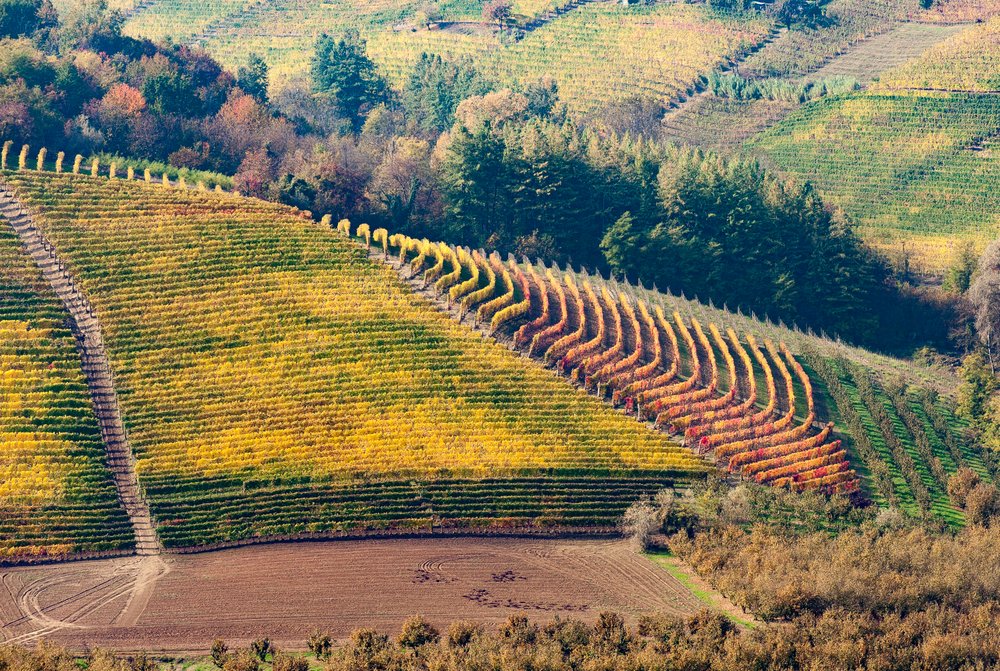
{"type": "Point", "coordinates": [180, 603]}
{"type": "Point", "coordinates": [274, 380]}
{"type": "Point", "coordinates": [56, 495]}
{"type": "Point", "coordinates": [916, 171]}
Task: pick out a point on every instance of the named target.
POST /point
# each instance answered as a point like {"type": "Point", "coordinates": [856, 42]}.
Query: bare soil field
{"type": "Point", "coordinates": [180, 603]}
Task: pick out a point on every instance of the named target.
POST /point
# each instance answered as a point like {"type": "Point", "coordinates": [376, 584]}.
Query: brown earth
{"type": "Point", "coordinates": [180, 603]}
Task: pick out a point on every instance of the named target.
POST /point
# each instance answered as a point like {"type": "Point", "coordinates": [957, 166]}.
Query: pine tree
{"type": "Point", "coordinates": [342, 70]}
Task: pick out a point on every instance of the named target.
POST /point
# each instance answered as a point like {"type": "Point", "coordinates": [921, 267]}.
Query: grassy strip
{"type": "Point", "coordinates": [714, 600]}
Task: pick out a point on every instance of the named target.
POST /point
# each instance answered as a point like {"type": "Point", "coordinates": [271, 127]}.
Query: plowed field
{"type": "Point", "coordinates": [180, 603]}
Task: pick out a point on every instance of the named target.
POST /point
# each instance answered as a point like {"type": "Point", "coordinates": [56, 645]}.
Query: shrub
{"type": "Point", "coordinates": [220, 652]}
{"type": "Point", "coordinates": [261, 648]}
{"type": "Point", "coordinates": [461, 633]}
{"type": "Point", "coordinates": [320, 644]}
{"type": "Point", "coordinates": [416, 632]}
{"type": "Point", "coordinates": [285, 662]}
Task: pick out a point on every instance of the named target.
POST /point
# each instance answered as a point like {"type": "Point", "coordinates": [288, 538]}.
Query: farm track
{"type": "Point", "coordinates": [96, 367]}
{"type": "Point", "coordinates": [60, 597]}
{"type": "Point", "coordinates": [181, 603]}
{"type": "Point", "coordinates": [678, 107]}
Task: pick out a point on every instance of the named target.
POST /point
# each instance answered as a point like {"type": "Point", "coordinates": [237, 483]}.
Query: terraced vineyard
{"type": "Point", "coordinates": [273, 380]}
{"type": "Point", "coordinates": [56, 495]}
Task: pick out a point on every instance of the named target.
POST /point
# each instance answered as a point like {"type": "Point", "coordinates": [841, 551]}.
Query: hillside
{"type": "Point", "coordinates": [598, 53]}
{"type": "Point", "coordinates": [920, 141]}
{"type": "Point", "coordinates": [307, 390]}
{"type": "Point", "coordinates": [266, 340]}
{"type": "Point", "coordinates": [730, 394]}
{"type": "Point", "coordinates": [57, 496]}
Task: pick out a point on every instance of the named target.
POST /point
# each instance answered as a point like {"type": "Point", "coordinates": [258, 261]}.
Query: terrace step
{"type": "Point", "coordinates": [96, 368]}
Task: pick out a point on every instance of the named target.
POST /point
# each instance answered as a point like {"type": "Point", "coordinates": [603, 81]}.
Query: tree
{"type": "Point", "coordinates": [984, 295]}
{"type": "Point", "coordinates": [417, 632]}
{"type": "Point", "coordinates": [261, 648]}
{"type": "Point", "coordinates": [959, 275]}
{"type": "Point", "coordinates": [320, 644]}
{"type": "Point", "coordinates": [498, 12]}
{"type": "Point", "coordinates": [253, 78]}
{"type": "Point", "coordinates": [961, 482]}
{"type": "Point", "coordinates": [21, 17]}
{"type": "Point", "coordinates": [342, 70]}
{"type": "Point", "coordinates": [436, 87]}
{"type": "Point", "coordinates": [808, 13]}
{"type": "Point", "coordinates": [220, 652]}
{"type": "Point", "coordinates": [255, 174]}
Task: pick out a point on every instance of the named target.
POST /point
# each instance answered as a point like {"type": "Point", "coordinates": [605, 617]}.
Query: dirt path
{"type": "Point", "coordinates": [96, 368]}
{"type": "Point", "coordinates": [180, 603]}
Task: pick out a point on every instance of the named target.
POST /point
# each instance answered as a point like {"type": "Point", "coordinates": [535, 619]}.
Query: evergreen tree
{"type": "Point", "coordinates": [253, 78]}
{"type": "Point", "coordinates": [342, 70]}
{"type": "Point", "coordinates": [436, 87]}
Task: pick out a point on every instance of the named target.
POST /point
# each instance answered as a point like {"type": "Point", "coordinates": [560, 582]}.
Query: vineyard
{"type": "Point", "coordinates": [969, 61]}
{"type": "Point", "coordinates": [751, 405]}
{"type": "Point", "coordinates": [914, 170]}
{"type": "Point", "coordinates": [629, 351]}
{"type": "Point", "coordinates": [599, 52]}
{"type": "Point", "coordinates": [278, 380]}
{"type": "Point", "coordinates": [56, 496]}
{"type": "Point", "coordinates": [273, 380]}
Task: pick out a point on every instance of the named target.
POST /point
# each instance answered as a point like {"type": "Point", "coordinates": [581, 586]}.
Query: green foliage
{"type": "Point", "coordinates": [742, 88]}
{"type": "Point", "coordinates": [731, 232]}
{"type": "Point", "coordinates": [436, 87]}
{"type": "Point", "coordinates": [253, 78]}
{"type": "Point", "coordinates": [959, 275]}
{"type": "Point", "coordinates": [24, 17]}
{"type": "Point", "coordinates": [806, 13]}
{"type": "Point", "coordinates": [342, 70]}
{"type": "Point", "coordinates": [978, 398]}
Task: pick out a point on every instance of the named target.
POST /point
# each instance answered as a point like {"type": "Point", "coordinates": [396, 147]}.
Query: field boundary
{"type": "Point", "coordinates": [96, 368]}
{"type": "Point", "coordinates": [404, 534]}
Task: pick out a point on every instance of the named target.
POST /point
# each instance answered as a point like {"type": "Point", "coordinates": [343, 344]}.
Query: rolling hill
{"type": "Point", "coordinates": [923, 131]}
{"type": "Point", "coordinates": [273, 380]}
{"type": "Point", "coordinates": [276, 379]}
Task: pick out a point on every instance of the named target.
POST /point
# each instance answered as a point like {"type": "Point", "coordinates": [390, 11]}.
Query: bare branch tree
{"type": "Point", "coordinates": [984, 294]}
